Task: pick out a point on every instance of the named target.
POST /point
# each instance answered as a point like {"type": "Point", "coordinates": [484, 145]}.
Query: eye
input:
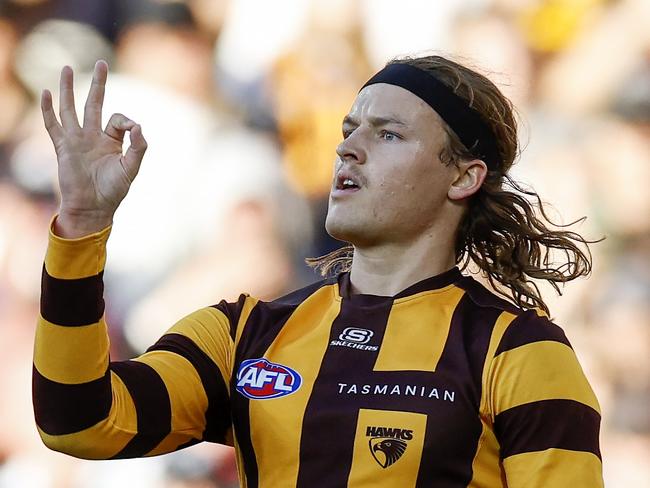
{"type": "Point", "coordinates": [347, 130]}
{"type": "Point", "coordinates": [388, 135]}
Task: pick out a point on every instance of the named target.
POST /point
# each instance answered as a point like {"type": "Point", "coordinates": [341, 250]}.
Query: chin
{"type": "Point", "coordinates": [334, 228]}
{"type": "Point", "coordinates": [341, 229]}
{"type": "Point", "coordinates": [349, 231]}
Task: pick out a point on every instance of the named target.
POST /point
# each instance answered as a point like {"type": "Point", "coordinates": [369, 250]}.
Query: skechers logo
{"type": "Point", "coordinates": [355, 338]}
{"type": "Point", "coordinates": [259, 379]}
{"type": "Point", "coordinates": [353, 334]}
{"type": "Point", "coordinates": [387, 444]}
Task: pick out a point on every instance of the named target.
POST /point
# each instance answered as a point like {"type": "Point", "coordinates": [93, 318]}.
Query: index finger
{"type": "Point", "coordinates": [95, 100]}
{"type": "Point", "coordinates": [51, 124]}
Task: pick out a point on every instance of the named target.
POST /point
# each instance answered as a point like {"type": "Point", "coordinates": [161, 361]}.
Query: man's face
{"type": "Point", "coordinates": [389, 184]}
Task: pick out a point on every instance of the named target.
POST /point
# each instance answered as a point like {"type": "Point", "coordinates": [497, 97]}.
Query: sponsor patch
{"type": "Point", "coordinates": [355, 334]}
{"type": "Point", "coordinates": [355, 338]}
{"type": "Point", "coordinates": [260, 379]}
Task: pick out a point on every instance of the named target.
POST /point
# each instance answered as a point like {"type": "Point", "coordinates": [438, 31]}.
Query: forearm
{"type": "Point", "coordinates": [71, 383]}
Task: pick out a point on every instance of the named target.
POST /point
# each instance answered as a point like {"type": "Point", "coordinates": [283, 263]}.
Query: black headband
{"type": "Point", "coordinates": [468, 125]}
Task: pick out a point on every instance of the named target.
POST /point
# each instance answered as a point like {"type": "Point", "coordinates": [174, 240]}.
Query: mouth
{"type": "Point", "coordinates": [346, 182]}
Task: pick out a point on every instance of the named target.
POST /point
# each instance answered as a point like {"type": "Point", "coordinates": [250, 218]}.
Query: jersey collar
{"type": "Point", "coordinates": [436, 282]}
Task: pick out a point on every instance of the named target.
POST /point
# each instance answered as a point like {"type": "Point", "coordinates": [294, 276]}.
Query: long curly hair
{"type": "Point", "coordinates": [505, 231]}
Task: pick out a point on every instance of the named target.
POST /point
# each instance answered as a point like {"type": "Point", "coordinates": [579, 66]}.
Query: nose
{"type": "Point", "coordinates": [351, 150]}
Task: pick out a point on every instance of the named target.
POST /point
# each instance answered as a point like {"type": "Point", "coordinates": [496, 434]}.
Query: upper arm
{"type": "Point", "coordinates": [192, 365]}
{"type": "Point", "coordinates": [546, 416]}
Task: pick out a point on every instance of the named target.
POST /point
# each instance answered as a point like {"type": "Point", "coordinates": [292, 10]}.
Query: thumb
{"type": "Point", "coordinates": [135, 152]}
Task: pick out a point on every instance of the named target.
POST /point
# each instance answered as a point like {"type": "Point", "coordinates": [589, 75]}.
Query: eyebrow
{"type": "Point", "coordinates": [376, 121]}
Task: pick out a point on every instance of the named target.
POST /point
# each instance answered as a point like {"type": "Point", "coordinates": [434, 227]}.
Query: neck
{"type": "Point", "coordinates": [388, 268]}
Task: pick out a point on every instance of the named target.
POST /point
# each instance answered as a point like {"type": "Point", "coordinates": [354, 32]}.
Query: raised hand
{"type": "Point", "coordinates": [94, 173]}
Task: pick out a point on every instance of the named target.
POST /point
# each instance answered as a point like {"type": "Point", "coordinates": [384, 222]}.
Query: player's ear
{"type": "Point", "coordinates": [470, 176]}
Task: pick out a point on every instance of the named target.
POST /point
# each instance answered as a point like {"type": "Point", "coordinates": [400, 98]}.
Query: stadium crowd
{"type": "Point", "coordinates": [241, 103]}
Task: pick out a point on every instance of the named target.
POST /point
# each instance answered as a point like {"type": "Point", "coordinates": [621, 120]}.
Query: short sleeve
{"type": "Point", "coordinates": [546, 415]}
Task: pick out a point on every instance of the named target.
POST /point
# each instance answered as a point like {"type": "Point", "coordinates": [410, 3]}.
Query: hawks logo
{"type": "Point", "coordinates": [387, 444]}
{"type": "Point", "coordinates": [260, 379]}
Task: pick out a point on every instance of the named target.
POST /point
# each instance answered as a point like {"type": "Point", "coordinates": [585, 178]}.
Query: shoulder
{"type": "Point", "coordinates": [519, 326]}
{"type": "Point", "coordinates": [481, 297]}
{"type": "Point", "coordinates": [245, 305]}
{"type": "Point", "coordinates": [528, 327]}
{"type": "Point", "coordinates": [296, 297]}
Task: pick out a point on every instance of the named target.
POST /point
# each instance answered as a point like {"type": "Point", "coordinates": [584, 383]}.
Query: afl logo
{"type": "Point", "coordinates": [259, 379]}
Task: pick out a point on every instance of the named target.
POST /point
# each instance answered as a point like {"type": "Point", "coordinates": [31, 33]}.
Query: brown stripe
{"type": "Point", "coordinates": [483, 297]}
{"type": "Point", "coordinates": [527, 328]}
{"type": "Point", "coordinates": [330, 419]}
{"type": "Point", "coordinates": [217, 415]}
{"type": "Point", "coordinates": [232, 311]}
{"type": "Point", "coordinates": [263, 325]}
{"type": "Point", "coordinates": [152, 406]}
{"type": "Point", "coordinates": [63, 409]}
{"type": "Point", "coordinates": [433, 283]}
{"type": "Point", "coordinates": [546, 424]}
{"type": "Point", "coordinates": [453, 432]}
{"type": "Point", "coordinates": [72, 302]}
{"type": "Point", "coordinates": [189, 443]}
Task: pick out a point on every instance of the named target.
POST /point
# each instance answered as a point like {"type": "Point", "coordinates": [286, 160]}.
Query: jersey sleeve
{"type": "Point", "coordinates": [172, 396]}
{"type": "Point", "coordinates": [545, 415]}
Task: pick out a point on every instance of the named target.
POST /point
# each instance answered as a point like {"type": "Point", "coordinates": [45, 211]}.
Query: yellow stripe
{"type": "Point", "coordinates": [170, 443]}
{"type": "Point", "coordinates": [71, 355]}
{"type": "Point", "coordinates": [209, 329]}
{"type": "Point", "coordinates": [416, 332]}
{"type": "Point", "coordinates": [241, 474]}
{"type": "Point", "coordinates": [543, 370]}
{"type": "Point", "coordinates": [123, 414]}
{"type": "Point", "coordinates": [76, 258]}
{"type": "Point", "coordinates": [186, 395]}
{"type": "Point", "coordinates": [500, 326]}
{"type": "Point", "coordinates": [557, 468]}
{"type": "Point", "coordinates": [276, 425]}
{"type": "Point", "coordinates": [249, 304]}
{"type": "Point", "coordinates": [366, 470]}
{"type": "Point", "coordinates": [486, 467]}
{"type": "Point", "coordinates": [106, 438]}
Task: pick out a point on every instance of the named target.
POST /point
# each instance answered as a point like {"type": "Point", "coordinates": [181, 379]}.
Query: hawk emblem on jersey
{"type": "Point", "coordinates": [387, 444]}
{"type": "Point", "coordinates": [260, 379]}
{"type": "Point", "coordinates": [386, 451]}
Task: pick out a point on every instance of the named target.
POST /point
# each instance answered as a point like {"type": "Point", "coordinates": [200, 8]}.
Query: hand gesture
{"type": "Point", "coordinates": [94, 173]}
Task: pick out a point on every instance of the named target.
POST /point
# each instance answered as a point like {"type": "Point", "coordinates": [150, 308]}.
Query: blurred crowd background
{"type": "Point", "coordinates": [241, 102]}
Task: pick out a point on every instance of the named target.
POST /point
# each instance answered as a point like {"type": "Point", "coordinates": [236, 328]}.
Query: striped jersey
{"type": "Point", "coordinates": [444, 384]}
